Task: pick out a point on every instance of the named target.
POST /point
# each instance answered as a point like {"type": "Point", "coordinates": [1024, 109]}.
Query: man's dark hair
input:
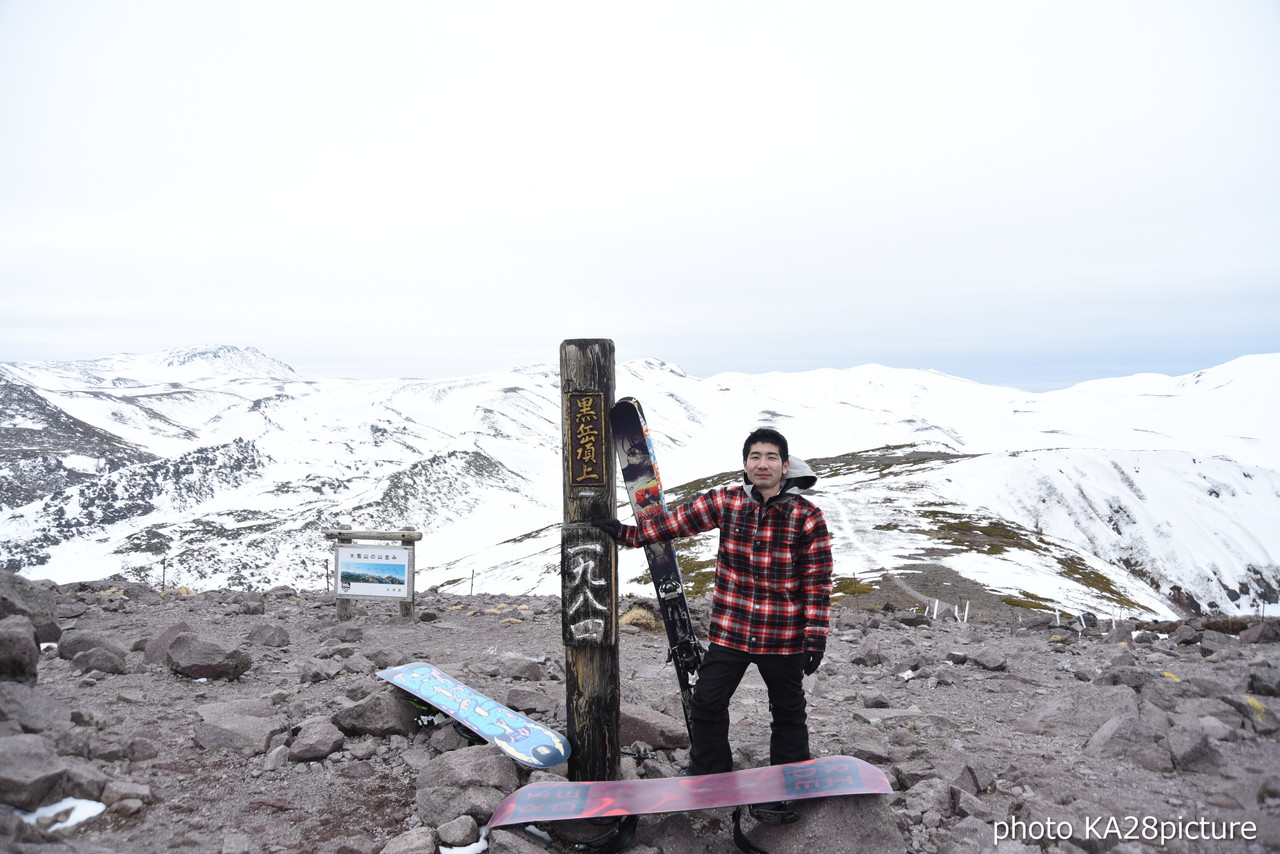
{"type": "Point", "coordinates": [769, 437]}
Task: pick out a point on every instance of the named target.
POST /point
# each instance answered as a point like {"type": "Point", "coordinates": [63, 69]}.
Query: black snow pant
{"type": "Point", "coordinates": [721, 672]}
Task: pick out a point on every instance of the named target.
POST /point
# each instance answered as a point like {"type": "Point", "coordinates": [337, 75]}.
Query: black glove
{"type": "Point", "coordinates": [612, 527]}
{"type": "Point", "coordinates": [811, 662]}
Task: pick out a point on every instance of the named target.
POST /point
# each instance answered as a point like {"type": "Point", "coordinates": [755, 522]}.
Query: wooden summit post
{"type": "Point", "coordinates": [589, 560]}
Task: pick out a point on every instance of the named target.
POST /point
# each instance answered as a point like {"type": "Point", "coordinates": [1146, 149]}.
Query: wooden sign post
{"type": "Point", "coordinates": [589, 561]}
{"type": "Point", "coordinates": [373, 572]}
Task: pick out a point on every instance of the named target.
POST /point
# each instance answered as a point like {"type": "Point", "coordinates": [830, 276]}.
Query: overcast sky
{"type": "Point", "coordinates": [1023, 193]}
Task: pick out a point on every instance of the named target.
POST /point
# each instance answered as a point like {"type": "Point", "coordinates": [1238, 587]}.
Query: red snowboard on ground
{"type": "Point", "coordinates": [815, 778]}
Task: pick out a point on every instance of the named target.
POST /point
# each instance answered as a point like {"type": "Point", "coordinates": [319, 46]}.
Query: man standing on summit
{"type": "Point", "coordinates": [772, 596]}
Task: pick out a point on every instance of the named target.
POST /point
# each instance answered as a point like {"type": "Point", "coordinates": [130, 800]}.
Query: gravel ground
{"type": "Point", "coordinates": [920, 708]}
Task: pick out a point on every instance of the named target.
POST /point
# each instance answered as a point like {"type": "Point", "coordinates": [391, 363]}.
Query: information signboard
{"type": "Point", "coordinates": [378, 572]}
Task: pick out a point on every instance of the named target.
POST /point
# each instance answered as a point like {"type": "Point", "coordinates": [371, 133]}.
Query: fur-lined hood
{"type": "Point", "coordinates": [799, 477]}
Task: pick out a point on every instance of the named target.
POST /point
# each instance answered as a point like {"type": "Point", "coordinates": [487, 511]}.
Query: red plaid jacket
{"type": "Point", "coordinates": [773, 571]}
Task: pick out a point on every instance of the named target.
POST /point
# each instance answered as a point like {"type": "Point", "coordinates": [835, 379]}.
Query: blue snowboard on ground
{"type": "Point", "coordinates": [524, 740]}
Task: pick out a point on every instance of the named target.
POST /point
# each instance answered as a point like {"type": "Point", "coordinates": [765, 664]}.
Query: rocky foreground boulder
{"type": "Point", "coordinates": [236, 723]}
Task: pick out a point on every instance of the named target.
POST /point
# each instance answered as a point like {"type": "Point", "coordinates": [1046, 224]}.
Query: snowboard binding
{"type": "Point", "coordinates": [773, 813]}
{"type": "Point", "coordinates": [620, 834]}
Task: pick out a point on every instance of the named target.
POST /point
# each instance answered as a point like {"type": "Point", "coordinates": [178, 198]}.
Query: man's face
{"type": "Point", "coordinates": [764, 467]}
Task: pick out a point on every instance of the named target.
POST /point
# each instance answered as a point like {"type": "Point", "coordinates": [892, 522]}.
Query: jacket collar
{"type": "Point", "coordinates": [799, 478]}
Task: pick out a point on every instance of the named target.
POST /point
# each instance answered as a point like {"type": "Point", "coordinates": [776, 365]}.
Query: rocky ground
{"type": "Point", "coordinates": [237, 723]}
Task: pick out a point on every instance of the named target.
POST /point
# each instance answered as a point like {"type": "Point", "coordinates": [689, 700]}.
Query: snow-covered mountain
{"type": "Point", "coordinates": [221, 467]}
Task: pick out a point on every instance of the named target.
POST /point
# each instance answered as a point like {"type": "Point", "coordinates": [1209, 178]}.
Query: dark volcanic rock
{"type": "Point", "coordinates": [269, 634]}
{"type": "Point", "coordinates": [156, 650]}
{"type": "Point", "coordinates": [76, 641]}
{"type": "Point", "coordinates": [465, 782]}
{"type": "Point", "coordinates": [30, 771]}
{"type": "Point", "coordinates": [23, 708]}
{"type": "Point", "coordinates": [1267, 631]}
{"type": "Point", "coordinates": [383, 713]}
{"type": "Point", "coordinates": [100, 659]}
{"type": "Point", "coordinates": [1264, 679]}
{"type": "Point", "coordinates": [199, 657]}
{"type": "Point", "coordinates": [1078, 710]}
{"type": "Point", "coordinates": [867, 819]}
{"type": "Point", "coordinates": [641, 723]}
{"type": "Point", "coordinates": [20, 596]}
{"type": "Point", "coordinates": [317, 738]}
{"type": "Point", "coordinates": [247, 727]}
{"type": "Point", "coordinates": [19, 651]}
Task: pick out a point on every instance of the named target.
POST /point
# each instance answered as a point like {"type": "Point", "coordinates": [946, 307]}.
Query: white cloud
{"type": "Point", "coordinates": [508, 175]}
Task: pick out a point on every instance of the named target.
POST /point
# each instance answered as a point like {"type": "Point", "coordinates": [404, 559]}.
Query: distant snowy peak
{"type": "Point", "coordinates": [649, 365]}
{"type": "Point", "coordinates": [220, 361]}
{"type": "Point", "coordinates": [1246, 370]}
{"type": "Point", "coordinates": [1262, 367]}
{"type": "Point", "coordinates": [176, 366]}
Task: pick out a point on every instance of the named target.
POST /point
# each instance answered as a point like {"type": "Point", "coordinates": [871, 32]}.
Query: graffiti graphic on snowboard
{"type": "Point", "coordinates": [814, 778]}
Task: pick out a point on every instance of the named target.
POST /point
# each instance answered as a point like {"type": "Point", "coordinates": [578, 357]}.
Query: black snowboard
{"type": "Point", "coordinates": [644, 488]}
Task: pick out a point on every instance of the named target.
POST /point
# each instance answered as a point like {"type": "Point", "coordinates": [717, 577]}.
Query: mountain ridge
{"type": "Point", "coordinates": [220, 466]}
